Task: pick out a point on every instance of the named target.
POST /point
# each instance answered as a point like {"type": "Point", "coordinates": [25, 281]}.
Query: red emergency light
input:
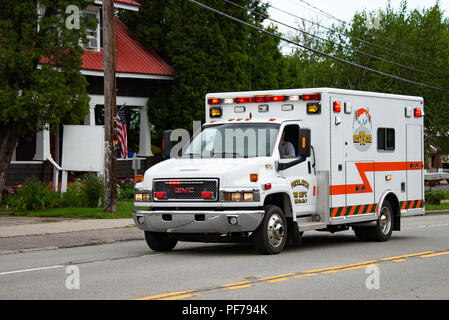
{"type": "Point", "coordinates": [418, 113]}
{"type": "Point", "coordinates": [213, 101]}
{"type": "Point", "coordinates": [337, 106]}
{"type": "Point", "coordinates": [159, 195]}
{"type": "Point", "coordinates": [311, 97]}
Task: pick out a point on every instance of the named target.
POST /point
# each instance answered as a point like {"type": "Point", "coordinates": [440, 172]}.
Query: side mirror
{"type": "Point", "coordinates": [167, 144]}
{"type": "Point", "coordinates": [304, 143]}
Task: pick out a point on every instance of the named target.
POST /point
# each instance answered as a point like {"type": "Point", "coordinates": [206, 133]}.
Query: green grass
{"type": "Point", "coordinates": [124, 210]}
{"type": "Point", "coordinates": [441, 206]}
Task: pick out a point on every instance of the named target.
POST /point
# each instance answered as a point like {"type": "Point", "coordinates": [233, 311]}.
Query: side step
{"type": "Point", "coordinates": [307, 226]}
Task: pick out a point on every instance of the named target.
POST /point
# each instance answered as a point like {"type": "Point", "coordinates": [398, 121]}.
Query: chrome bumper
{"type": "Point", "coordinates": [201, 221]}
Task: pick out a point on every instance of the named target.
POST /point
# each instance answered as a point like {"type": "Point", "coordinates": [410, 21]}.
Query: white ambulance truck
{"type": "Point", "coordinates": [270, 165]}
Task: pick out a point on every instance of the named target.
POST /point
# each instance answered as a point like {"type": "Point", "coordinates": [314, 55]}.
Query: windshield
{"type": "Point", "coordinates": [237, 140]}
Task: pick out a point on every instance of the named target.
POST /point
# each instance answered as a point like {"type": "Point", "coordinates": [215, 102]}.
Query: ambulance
{"type": "Point", "coordinates": [268, 166]}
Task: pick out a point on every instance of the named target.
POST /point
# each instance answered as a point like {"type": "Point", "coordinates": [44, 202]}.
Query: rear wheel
{"type": "Point", "coordinates": [159, 241]}
{"type": "Point", "coordinates": [383, 229]}
{"type": "Point", "coordinates": [271, 235]}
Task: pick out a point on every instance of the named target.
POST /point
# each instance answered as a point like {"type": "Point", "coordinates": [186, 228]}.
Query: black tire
{"type": "Point", "coordinates": [159, 241]}
{"type": "Point", "coordinates": [271, 236]}
{"type": "Point", "coordinates": [383, 229]}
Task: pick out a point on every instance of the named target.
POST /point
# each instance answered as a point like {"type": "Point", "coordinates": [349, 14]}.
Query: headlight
{"type": "Point", "coordinates": [142, 196]}
{"type": "Point", "coordinates": [239, 196]}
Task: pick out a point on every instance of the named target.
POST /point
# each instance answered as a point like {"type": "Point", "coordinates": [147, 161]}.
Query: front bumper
{"type": "Point", "coordinates": [201, 221]}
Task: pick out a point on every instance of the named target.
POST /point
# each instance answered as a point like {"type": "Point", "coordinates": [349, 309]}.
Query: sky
{"type": "Point", "coordinates": [341, 9]}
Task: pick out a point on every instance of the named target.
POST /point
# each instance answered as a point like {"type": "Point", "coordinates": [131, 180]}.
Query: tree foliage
{"type": "Point", "coordinates": [209, 53]}
{"type": "Point", "coordinates": [40, 82]}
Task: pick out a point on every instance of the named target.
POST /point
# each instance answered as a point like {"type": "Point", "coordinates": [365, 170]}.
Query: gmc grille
{"type": "Point", "coordinates": [186, 190]}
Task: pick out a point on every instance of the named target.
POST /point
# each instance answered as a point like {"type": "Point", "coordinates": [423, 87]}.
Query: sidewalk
{"type": "Point", "coordinates": [24, 234]}
{"type": "Point", "coordinates": [24, 226]}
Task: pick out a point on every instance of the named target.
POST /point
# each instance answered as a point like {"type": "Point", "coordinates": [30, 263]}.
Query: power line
{"type": "Point", "coordinates": [398, 43]}
{"type": "Point", "coordinates": [311, 49]}
{"type": "Point", "coordinates": [353, 37]}
{"type": "Point", "coordinates": [332, 42]}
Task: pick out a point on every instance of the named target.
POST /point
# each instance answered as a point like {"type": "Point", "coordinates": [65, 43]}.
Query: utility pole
{"type": "Point", "coordinates": [110, 157]}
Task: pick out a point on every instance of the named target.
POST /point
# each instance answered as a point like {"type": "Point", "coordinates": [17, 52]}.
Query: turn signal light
{"type": "Point", "coordinates": [253, 177]}
{"type": "Point", "coordinates": [138, 178]}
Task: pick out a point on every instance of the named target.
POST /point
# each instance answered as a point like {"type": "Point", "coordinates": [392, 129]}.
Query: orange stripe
{"type": "Point", "coordinates": [361, 209]}
{"type": "Point", "coordinates": [334, 212]}
{"type": "Point", "coordinates": [363, 167]}
{"type": "Point", "coordinates": [404, 205]}
{"type": "Point", "coordinates": [352, 210]}
{"type": "Point", "coordinates": [314, 191]}
{"type": "Point", "coordinates": [411, 204]}
{"type": "Point", "coordinates": [419, 204]}
{"type": "Point", "coordinates": [370, 207]}
{"type": "Point", "coordinates": [377, 205]}
{"type": "Point", "coordinates": [343, 211]}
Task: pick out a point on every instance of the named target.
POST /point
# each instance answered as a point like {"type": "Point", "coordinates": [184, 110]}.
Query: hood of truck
{"type": "Point", "coordinates": [231, 172]}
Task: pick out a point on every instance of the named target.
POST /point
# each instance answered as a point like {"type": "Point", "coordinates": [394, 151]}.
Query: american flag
{"type": "Point", "coordinates": [120, 130]}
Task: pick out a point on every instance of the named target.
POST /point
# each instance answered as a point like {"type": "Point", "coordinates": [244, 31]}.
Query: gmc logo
{"type": "Point", "coordinates": [184, 190]}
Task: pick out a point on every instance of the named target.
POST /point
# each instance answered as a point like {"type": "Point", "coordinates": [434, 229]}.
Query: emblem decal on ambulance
{"type": "Point", "coordinates": [361, 127]}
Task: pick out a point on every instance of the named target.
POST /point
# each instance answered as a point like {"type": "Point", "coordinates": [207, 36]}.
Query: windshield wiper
{"type": "Point", "coordinates": [224, 154]}
{"type": "Point", "coordinates": [191, 155]}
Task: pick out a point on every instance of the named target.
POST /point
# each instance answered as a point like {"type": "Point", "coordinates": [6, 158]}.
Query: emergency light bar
{"type": "Point", "coordinates": [262, 99]}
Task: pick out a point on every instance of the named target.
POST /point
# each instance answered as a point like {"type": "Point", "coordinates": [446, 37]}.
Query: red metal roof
{"type": "Point", "coordinates": [128, 2]}
{"type": "Point", "coordinates": [132, 57]}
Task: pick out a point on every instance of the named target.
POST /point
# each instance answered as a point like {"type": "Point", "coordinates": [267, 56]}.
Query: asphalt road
{"type": "Point", "coordinates": [414, 264]}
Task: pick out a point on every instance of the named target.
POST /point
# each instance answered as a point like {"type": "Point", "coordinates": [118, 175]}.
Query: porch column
{"type": "Point", "coordinates": [145, 134]}
{"type": "Point", "coordinates": [89, 120]}
{"type": "Point", "coordinates": [42, 145]}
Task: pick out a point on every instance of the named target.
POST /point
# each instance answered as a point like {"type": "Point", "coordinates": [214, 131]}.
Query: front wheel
{"type": "Point", "coordinates": [159, 241]}
{"type": "Point", "coordinates": [271, 235]}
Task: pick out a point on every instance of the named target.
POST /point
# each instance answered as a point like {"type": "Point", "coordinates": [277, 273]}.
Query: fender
{"type": "Point", "coordinates": [394, 201]}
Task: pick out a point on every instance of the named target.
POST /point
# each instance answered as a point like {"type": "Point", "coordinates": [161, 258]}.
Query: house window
{"type": "Point", "coordinates": [385, 139]}
{"type": "Point", "coordinates": [93, 33]}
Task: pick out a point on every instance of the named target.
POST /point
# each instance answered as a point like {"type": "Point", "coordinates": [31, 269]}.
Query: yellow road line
{"type": "Point", "coordinates": [302, 274]}
{"type": "Point", "coordinates": [235, 284]}
{"type": "Point", "coordinates": [306, 275]}
{"type": "Point", "coordinates": [164, 295]}
{"type": "Point", "coordinates": [238, 287]}
{"type": "Point", "coordinates": [278, 276]}
{"type": "Point", "coordinates": [406, 255]}
{"type": "Point", "coordinates": [277, 280]}
{"type": "Point", "coordinates": [184, 296]}
{"type": "Point", "coordinates": [339, 267]}
{"type": "Point", "coordinates": [435, 254]}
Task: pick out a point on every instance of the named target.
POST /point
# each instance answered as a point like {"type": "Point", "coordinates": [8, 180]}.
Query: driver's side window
{"type": "Point", "coordinates": [288, 146]}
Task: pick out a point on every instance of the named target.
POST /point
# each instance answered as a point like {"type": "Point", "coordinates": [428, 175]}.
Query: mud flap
{"type": "Point", "coordinates": [293, 234]}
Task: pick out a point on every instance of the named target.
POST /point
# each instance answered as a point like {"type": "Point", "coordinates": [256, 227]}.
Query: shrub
{"type": "Point", "coordinates": [74, 196]}
{"type": "Point", "coordinates": [93, 188]}
{"type": "Point", "coordinates": [125, 191]}
{"type": "Point", "coordinates": [35, 195]}
{"type": "Point", "coordinates": [434, 196]}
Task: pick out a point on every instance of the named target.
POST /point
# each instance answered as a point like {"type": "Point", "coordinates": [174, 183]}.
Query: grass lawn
{"type": "Point", "coordinates": [124, 210]}
{"type": "Point", "coordinates": [441, 206]}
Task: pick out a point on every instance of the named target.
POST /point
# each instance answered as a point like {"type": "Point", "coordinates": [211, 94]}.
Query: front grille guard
{"type": "Point", "coordinates": [199, 185]}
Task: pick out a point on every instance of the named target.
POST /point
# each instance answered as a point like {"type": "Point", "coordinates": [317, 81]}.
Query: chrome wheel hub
{"type": "Point", "coordinates": [276, 230]}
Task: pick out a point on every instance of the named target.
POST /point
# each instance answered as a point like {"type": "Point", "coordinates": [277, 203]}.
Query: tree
{"type": "Point", "coordinates": [208, 52]}
{"type": "Point", "coordinates": [410, 44]}
{"type": "Point", "coordinates": [40, 82]}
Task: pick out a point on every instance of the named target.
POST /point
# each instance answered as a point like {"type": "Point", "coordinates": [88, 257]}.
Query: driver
{"type": "Point", "coordinates": [286, 148]}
